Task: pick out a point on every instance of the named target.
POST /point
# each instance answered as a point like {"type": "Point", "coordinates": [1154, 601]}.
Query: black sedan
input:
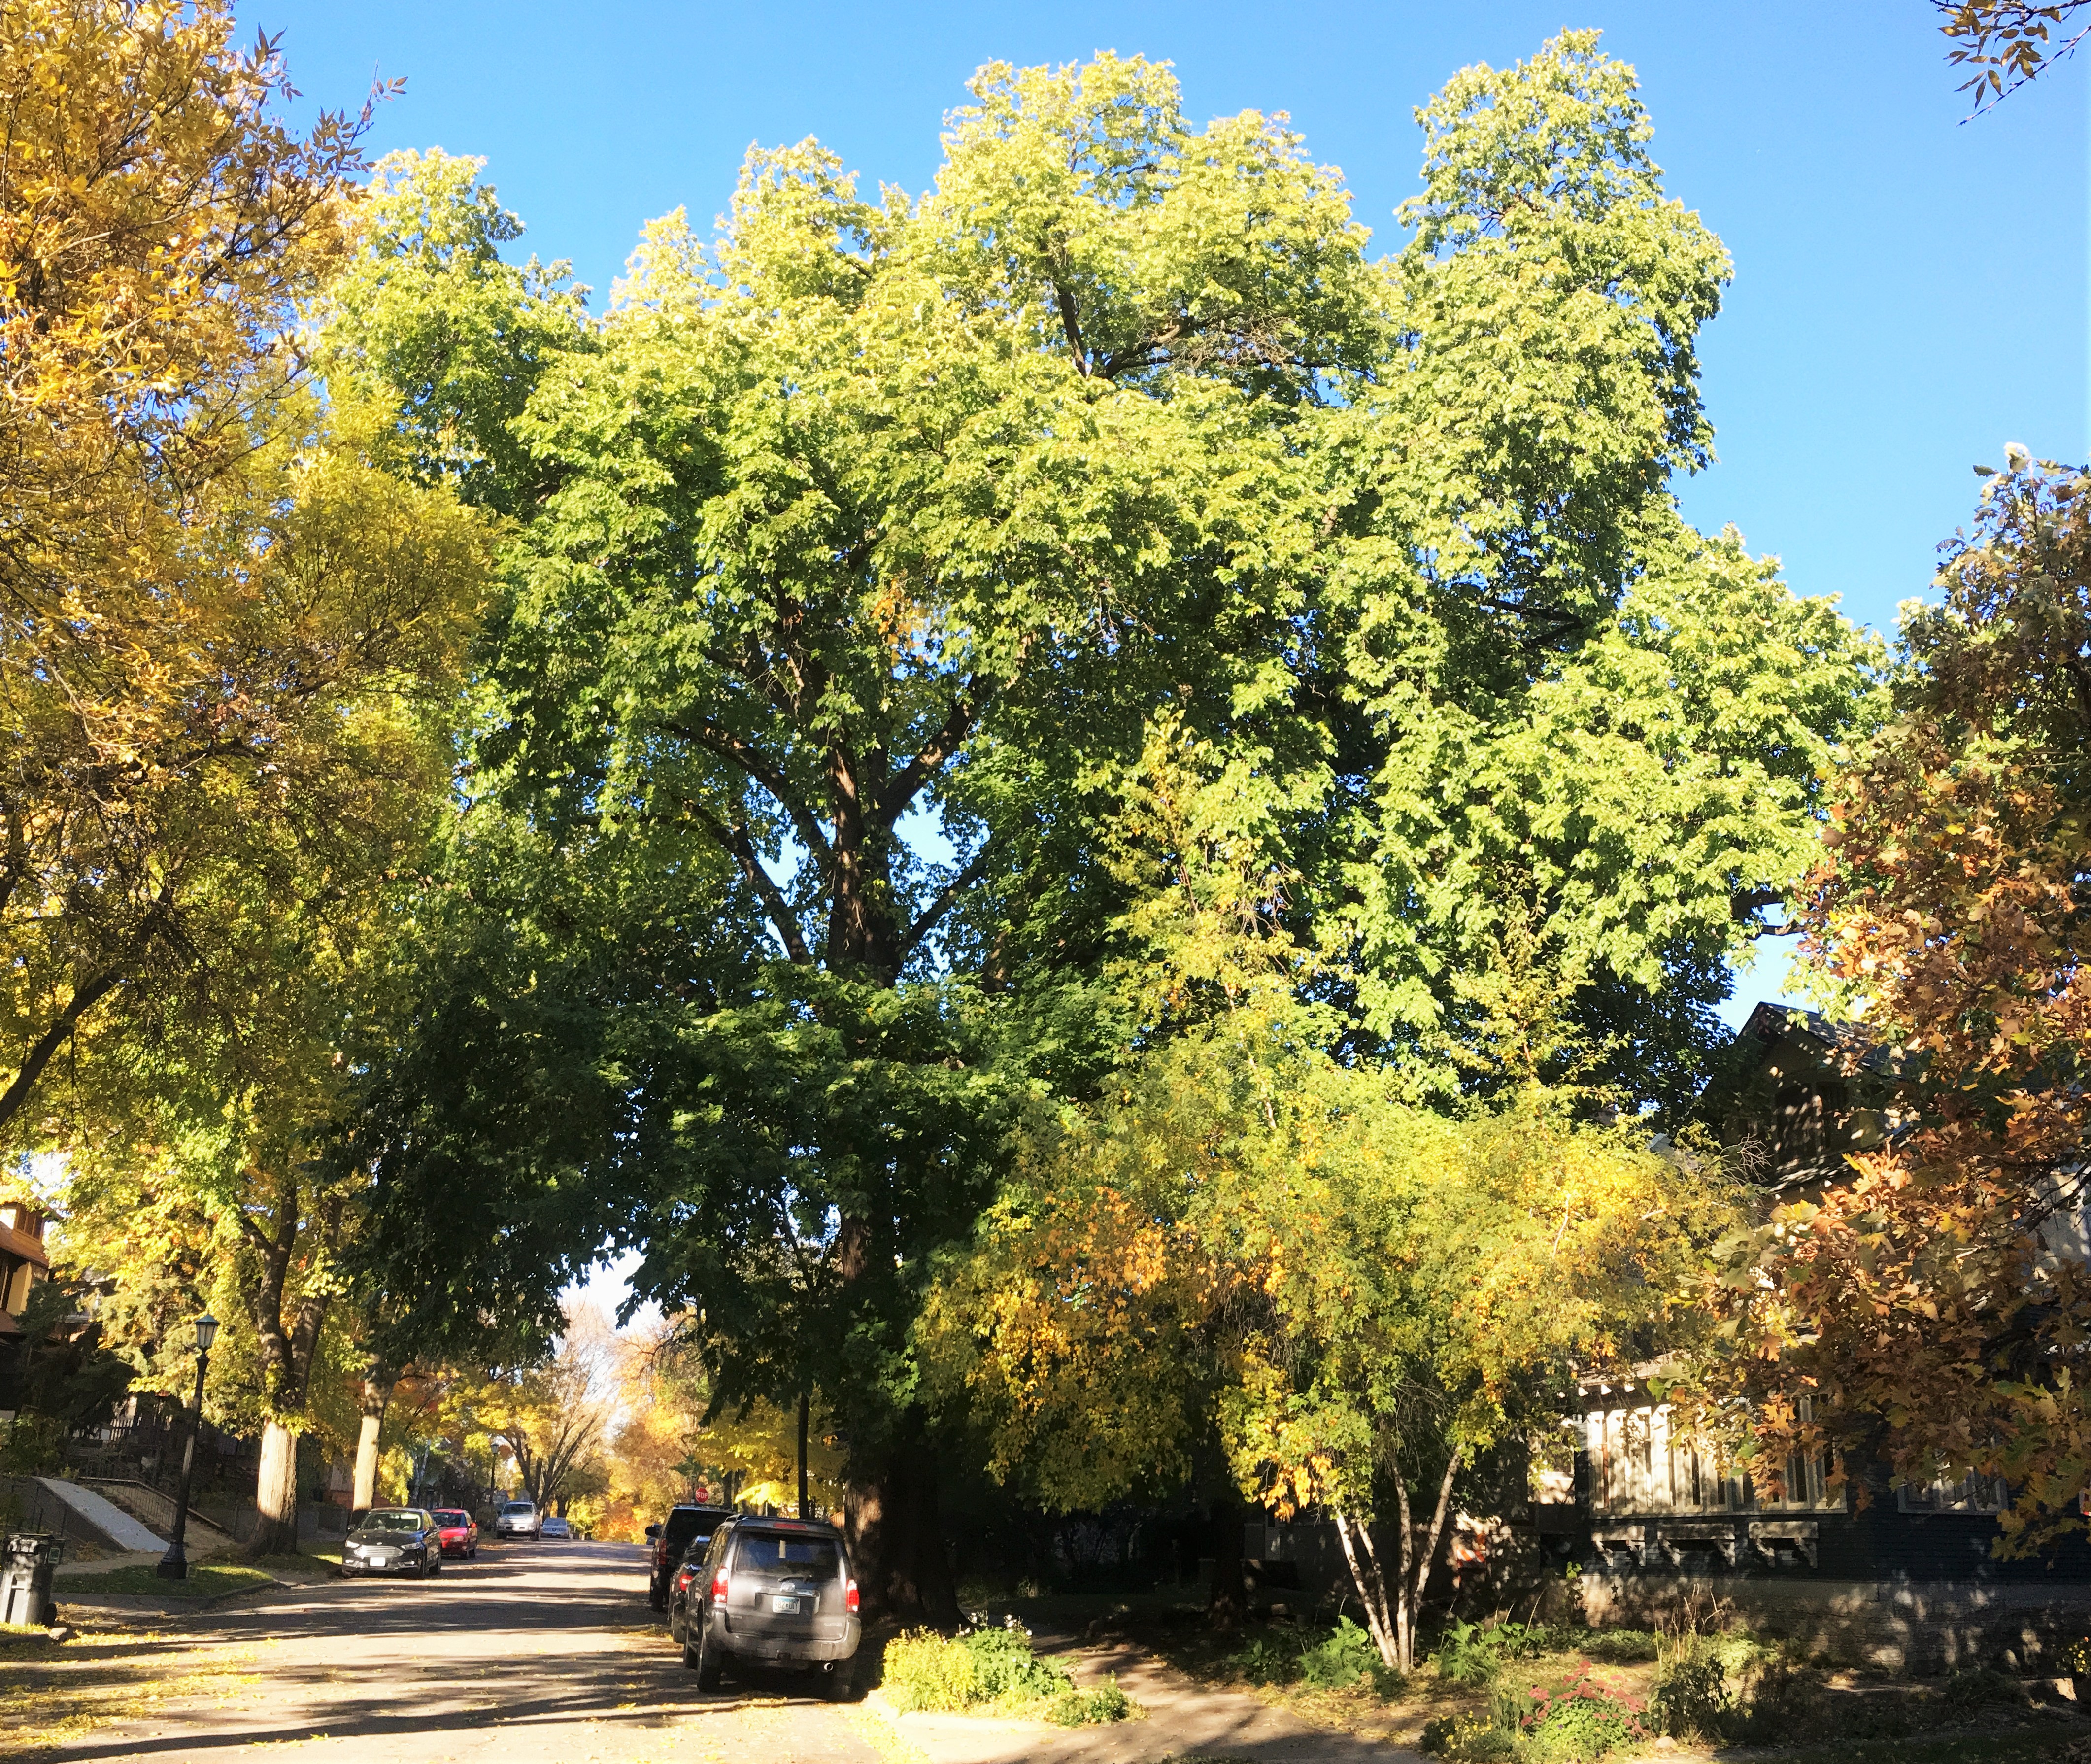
{"type": "Point", "coordinates": [395, 1540]}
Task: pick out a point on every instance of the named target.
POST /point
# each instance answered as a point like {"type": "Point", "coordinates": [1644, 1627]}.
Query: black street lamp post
{"type": "Point", "coordinates": [174, 1564]}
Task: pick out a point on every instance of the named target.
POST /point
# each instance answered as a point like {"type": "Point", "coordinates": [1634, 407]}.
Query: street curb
{"type": "Point", "coordinates": [145, 1604]}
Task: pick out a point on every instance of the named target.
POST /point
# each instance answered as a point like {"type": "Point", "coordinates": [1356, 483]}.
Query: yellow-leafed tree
{"type": "Point", "coordinates": [161, 711]}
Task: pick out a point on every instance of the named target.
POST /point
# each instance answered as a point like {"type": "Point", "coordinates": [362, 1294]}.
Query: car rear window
{"type": "Point", "coordinates": [778, 1554]}
{"type": "Point", "coordinates": [685, 1523]}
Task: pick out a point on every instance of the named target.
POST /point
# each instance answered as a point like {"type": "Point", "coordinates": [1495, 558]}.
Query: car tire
{"type": "Point", "coordinates": [708, 1663]}
{"type": "Point", "coordinates": [839, 1685]}
{"type": "Point", "coordinates": [658, 1601]}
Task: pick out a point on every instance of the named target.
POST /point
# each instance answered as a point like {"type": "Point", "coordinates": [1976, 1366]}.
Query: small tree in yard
{"type": "Point", "coordinates": [1422, 1290]}
{"type": "Point", "coordinates": [1361, 1297]}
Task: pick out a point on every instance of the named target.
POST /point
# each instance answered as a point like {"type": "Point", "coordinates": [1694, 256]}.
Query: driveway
{"type": "Point", "coordinates": [534, 1653]}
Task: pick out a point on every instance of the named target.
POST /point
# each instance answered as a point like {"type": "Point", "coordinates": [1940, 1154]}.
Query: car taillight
{"type": "Point", "coordinates": [718, 1586]}
{"type": "Point", "coordinates": [849, 1599]}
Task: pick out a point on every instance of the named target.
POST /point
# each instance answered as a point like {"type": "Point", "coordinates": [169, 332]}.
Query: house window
{"type": "Point", "coordinates": [1638, 1466]}
{"type": "Point", "coordinates": [1970, 1494]}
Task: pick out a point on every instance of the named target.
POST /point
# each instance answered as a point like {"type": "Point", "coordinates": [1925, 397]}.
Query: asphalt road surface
{"type": "Point", "coordinates": [534, 1652]}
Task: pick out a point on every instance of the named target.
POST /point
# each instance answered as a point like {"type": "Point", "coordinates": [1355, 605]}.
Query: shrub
{"type": "Point", "coordinates": [1973, 1686]}
{"type": "Point", "coordinates": [1340, 1659]}
{"type": "Point", "coordinates": [1072, 1708]}
{"type": "Point", "coordinates": [1574, 1719]}
{"type": "Point", "coordinates": [1467, 1739]}
{"type": "Point", "coordinates": [924, 1670]}
{"type": "Point", "coordinates": [1618, 1647]}
{"type": "Point", "coordinates": [1584, 1729]}
{"type": "Point", "coordinates": [1004, 1669]}
{"type": "Point", "coordinates": [1474, 1654]}
{"type": "Point", "coordinates": [1691, 1700]}
{"type": "Point", "coordinates": [1264, 1661]}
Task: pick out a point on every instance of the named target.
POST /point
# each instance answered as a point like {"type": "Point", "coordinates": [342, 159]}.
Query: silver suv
{"type": "Point", "coordinates": [517, 1519]}
{"type": "Point", "coordinates": [770, 1591]}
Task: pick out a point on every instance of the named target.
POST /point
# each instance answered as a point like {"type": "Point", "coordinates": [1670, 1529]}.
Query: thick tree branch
{"type": "Point", "coordinates": [1437, 1524]}
{"type": "Point", "coordinates": [1071, 322]}
{"type": "Point", "coordinates": [926, 921]}
{"type": "Point", "coordinates": [83, 999]}
{"type": "Point", "coordinates": [750, 760]}
{"type": "Point", "coordinates": [965, 711]}
{"type": "Point", "coordinates": [1743, 907]}
{"type": "Point", "coordinates": [734, 839]}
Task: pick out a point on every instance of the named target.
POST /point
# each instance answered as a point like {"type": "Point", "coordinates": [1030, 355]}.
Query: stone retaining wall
{"type": "Point", "coordinates": [1911, 1626]}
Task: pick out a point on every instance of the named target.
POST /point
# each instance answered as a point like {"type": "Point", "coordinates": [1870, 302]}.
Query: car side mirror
{"type": "Point", "coordinates": [652, 1533]}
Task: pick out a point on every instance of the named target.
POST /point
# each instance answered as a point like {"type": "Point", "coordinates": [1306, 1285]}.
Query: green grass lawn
{"type": "Point", "coordinates": [305, 1563]}
{"type": "Point", "coordinates": [205, 1580]}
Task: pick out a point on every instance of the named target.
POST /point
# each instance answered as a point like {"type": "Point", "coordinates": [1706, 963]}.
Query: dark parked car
{"type": "Point", "coordinates": [458, 1530]}
{"type": "Point", "coordinates": [394, 1540]}
{"type": "Point", "coordinates": [686, 1527]}
{"type": "Point", "coordinates": [770, 1591]}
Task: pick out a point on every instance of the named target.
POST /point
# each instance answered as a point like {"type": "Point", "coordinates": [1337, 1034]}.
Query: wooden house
{"type": "Point", "coordinates": [1800, 1094]}
{"type": "Point", "coordinates": [22, 1263]}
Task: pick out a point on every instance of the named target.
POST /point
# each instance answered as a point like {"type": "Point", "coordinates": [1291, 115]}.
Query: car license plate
{"type": "Point", "coordinates": [380, 1560]}
{"type": "Point", "coordinates": [785, 1604]}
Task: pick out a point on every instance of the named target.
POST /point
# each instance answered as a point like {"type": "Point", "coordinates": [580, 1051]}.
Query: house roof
{"type": "Point", "coordinates": [23, 1246]}
{"type": "Point", "coordinates": [1847, 1041]}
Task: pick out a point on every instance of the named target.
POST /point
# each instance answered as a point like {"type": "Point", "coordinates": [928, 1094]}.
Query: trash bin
{"type": "Point", "coordinates": [25, 1577]}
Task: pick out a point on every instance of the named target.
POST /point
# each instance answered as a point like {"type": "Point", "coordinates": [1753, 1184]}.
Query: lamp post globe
{"type": "Point", "coordinates": [174, 1564]}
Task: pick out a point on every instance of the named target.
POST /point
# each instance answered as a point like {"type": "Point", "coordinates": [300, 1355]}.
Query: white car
{"type": "Point", "coordinates": [557, 1530]}
{"type": "Point", "coordinates": [518, 1518]}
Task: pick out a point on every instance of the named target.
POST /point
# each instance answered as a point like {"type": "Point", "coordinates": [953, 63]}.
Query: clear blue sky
{"type": "Point", "coordinates": [1909, 292]}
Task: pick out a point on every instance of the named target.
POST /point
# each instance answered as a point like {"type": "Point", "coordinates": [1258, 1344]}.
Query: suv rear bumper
{"type": "Point", "coordinates": [787, 1650]}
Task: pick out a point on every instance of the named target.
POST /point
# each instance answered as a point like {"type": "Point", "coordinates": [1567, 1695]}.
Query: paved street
{"type": "Point", "coordinates": [544, 1653]}
{"type": "Point", "coordinates": [535, 1652]}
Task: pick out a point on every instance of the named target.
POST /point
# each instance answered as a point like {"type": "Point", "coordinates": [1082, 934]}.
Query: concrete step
{"type": "Point", "coordinates": [101, 1516]}
{"type": "Point", "coordinates": [155, 1510]}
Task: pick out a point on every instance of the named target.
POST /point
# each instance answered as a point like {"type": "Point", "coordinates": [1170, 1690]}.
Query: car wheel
{"type": "Point", "coordinates": [838, 1681]}
{"type": "Point", "coordinates": [708, 1661]}
{"type": "Point", "coordinates": [658, 1602]}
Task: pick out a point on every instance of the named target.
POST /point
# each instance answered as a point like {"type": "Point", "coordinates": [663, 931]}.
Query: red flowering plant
{"type": "Point", "coordinates": [1584, 1715]}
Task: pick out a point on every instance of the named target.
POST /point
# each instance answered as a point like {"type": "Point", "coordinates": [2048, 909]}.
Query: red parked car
{"type": "Point", "coordinates": [460, 1531]}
